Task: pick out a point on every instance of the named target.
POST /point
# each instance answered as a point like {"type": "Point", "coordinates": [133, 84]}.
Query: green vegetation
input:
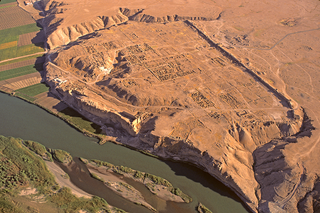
{"type": "Point", "coordinates": [142, 175]}
{"type": "Point", "coordinates": [70, 203]}
{"type": "Point", "coordinates": [29, 49]}
{"type": "Point", "coordinates": [79, 121]}
{"type": "Point", "coordinates": [7, 74]}
{"type": "Point", "coordinates": [12, 5]}
{"type": "Point", "coordinates": [138, 174]}
{"type": "Point", "coordinates": [6, 1]}
{"type": "Point", "coordinates": [96, 177]}
{"type": "Point", "coordinates": [39, 149]}
{"type": "Point", "coordinates": [102, 163]}
{"type": "Point", "coordinates": [125, 169]}
{"type": "Point", "coordinates": [176, 191]}
{"type": "Point", "coordinates": [21, 59]}
{"type": "Point", "coordinates": [7, 206]}
{"type": "Point", "coordinates": [126, 185]}
{"type": "Point", "coordinates": [83, 160]}
{"type": "Point", "coordinates": [21, 167]}
{"type": "Point", "coordinates": [158, 180]}
{"type": "Point", "coordinates": [117, 210]}
{"type": "Point", "coordinates": [34, 90]}
{"type": "Point", "coordinates": [148, 153]}
{"type": "Point", "coordinates": [179, 193]}
{"type": "Point", "coordinates": [15, 51]}
{"type": "Point", "coordinates": [7, 53]}
{"type": "Point", "coordinates": [122, 169]}
{"type": "Point", "coordinates": [202, 209]}
{"type": "Point", "coordinates": [61, 156]}
{"type": "Point", "coordinates": [25, 97]}
{"type": "Point", "coordinates": [36, 147]}
{"type": "Point", "coordinates": [12, 34]}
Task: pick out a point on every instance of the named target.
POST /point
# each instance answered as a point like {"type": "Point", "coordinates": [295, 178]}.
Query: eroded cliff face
{"type": "Point", "coordinates": [158, 99]}
{"type": "Point", "coordinates": [180, 93]}
{"type": "Point", "coordinates": [61, 30]}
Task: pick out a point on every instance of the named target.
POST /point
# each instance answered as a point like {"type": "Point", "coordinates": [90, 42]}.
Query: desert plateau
{"type": "Point", "coordinates": [232, 87]}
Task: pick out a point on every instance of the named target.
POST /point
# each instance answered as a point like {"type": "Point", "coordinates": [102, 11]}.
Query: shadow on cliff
{"type": "Point", "coordinates": [197, 175]}
{"type": "Point", "coordinates": [80, 119]}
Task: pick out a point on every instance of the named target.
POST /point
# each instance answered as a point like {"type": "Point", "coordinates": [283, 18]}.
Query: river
{"type": "Point", "coordinates": [29, 122]}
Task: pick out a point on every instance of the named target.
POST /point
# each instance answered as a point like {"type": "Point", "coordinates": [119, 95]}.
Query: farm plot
{"type": "Point", "coordinates": [13, 52]}
{"type": "Point", "coordinates": [22, 59]}
{"type": "Point", "coordinates": [22, 81]}
{"type": "Point", "coordinates": [13, 17]}
{"type": "Point", "coordinates": [7, 5]}
{"type": "Point", "coordinates": [12, 34]}
{"type": "Point", "coordinates": [29, 49]}
{"type": "Point", "coordinates": [33, 90]}
{"type": "Point", "coordinates": [29, 92]}
{"type": "Point", "coordinates": [26, 39]}
{"type": "Point", "coordinates": [18, 64]}
{"type": "Point", "coordinates": [7, 2]}
{"type": "Point", "coordinates": [8, 45]}
{"type": "Point", "coordinates": [4, 75]}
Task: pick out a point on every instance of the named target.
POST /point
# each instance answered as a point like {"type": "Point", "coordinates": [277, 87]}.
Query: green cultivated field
{"type": "Point", "coordinates": [13, 52]}
{"type": "Point", "coordinates": [4, 75]}
{"type": "Point", "coordinates": [6, 1]}
{"type": "Point", "coordinates": [34, 90]}
{"type": "Point", "coordinates": [21, 59]}
{"type": "Point", "coordinates": [12, 34]}
{"type": "Point", "coordinates": [7, 6]}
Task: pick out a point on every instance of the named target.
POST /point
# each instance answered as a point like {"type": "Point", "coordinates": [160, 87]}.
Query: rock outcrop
{"type": "Point", "coordinates": [159, 83]}
{"type": "Point", "coordinates": [188, 125]}
{"type": "Point", "coordinates": [59, 33]}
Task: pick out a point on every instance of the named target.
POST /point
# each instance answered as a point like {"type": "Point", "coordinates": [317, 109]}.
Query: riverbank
{"type": "Point", "coordinates": [26, 180]}
{"type": "Point", "coordinates": [30, 122]}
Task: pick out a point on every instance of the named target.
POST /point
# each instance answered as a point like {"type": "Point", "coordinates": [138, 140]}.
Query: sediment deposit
{"type": "Point", "coordinates": [199, 86]}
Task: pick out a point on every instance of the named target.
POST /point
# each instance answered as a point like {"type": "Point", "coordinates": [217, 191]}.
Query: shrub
{"type": "Point", "coordinates": [62, 156]}
{"type": "Point", "coordinates": [125, 169]}
{"type": "Point", "coordinates": [138, 174]}
{"type": "Point", "coordinates": [20, 166]}
{"type": "Point", "coordinates": [176, 191]}
{"type": "Point", "coordinates": [158, 180]}
{"type": "Point", "coordinates": [202, 209]}
{"type": "Point", "coordinates": [96, 177]}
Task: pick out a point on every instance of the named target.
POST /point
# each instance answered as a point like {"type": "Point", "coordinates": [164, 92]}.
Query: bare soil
{"type": "Point", "coordinates": [229, 86]}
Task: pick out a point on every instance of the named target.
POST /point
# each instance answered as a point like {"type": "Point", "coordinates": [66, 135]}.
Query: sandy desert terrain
{"type": "Point", "coordinates": [230, 86]}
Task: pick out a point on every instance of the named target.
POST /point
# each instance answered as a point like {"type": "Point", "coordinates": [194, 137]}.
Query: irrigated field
{"type": "Point", "coordinates": [4, 3]}
{"type": "Point", "coordinates": [17, 64]}
{"type": "Point", "coordinates": [34, 90]}
{"type": "Point", "coordinates": [31, 91]}
{"type": "Point", "coordinates": [17, 72]}
{"type": "Point", "coordinates": [20, 60]}
{"type": "Point", "coordinates": [12, 34]}
{"type": "Point", "coordinates": [26, 38]}
{"type": "Point", "coordinates": [16, 51]}
{"type": "Point", "coordinates": [20, 65]}
{"type": "Point", "coordinates": [13, 17]}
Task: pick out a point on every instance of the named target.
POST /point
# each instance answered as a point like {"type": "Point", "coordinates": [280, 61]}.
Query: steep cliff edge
{"type": "Point", "coordinates": [62, 29]}
{"type": "Point", "coordinates": [118, 87]}
{"type": "Point", "coordinates": [162, 84]}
